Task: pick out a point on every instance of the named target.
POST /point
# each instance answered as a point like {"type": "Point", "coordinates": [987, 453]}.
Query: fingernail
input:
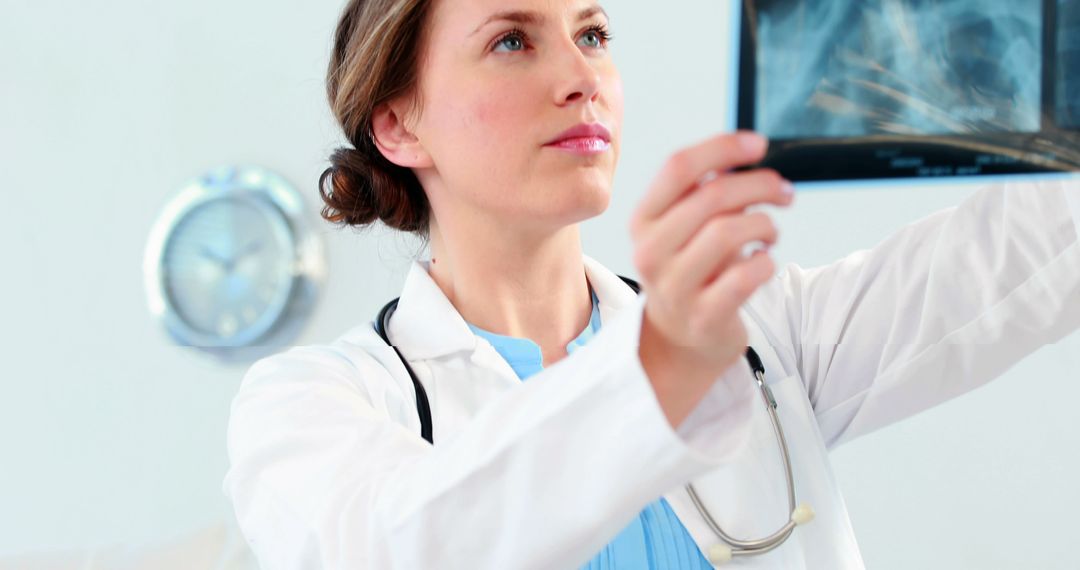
{"type": "Point", "coordinates": [787, 187]}
{"type": "Point", "coordinates": [752, 142]}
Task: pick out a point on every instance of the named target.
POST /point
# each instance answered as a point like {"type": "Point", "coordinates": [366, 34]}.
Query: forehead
{"type": "Point", "coordinates": [461, 18]}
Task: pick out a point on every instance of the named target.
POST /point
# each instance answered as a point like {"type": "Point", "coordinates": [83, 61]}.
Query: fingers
{"type": "Point", "coordinates": [690, 232]}
{"type": "Point", "coordinates": [723, 297]}
{"type": "Point", "coordinates": [714, 249]}
{"type": "Point", "coordinates": [726, 194]}
{"type": "Point", "coordinates": [686, 168]}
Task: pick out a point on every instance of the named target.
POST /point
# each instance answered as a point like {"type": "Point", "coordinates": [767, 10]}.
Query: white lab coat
{"type": "Point", "coordinates": [328, 469]}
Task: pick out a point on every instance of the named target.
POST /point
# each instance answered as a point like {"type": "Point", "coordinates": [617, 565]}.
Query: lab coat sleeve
{"type": "Point", "coordinates": [941, 307]}
{"type": "Point", "coordinates": [322, 477]}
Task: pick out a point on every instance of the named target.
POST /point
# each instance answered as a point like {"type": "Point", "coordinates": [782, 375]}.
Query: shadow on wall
{"type": "Point", "coordinates": [220, 547]}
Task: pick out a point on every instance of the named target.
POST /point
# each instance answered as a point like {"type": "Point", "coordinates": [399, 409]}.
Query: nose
{"type": "Point", "coordinates": [579, 78]}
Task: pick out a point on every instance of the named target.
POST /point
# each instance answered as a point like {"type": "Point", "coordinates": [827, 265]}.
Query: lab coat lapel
{"type": "Point", "coordinates": [433, 337]}
{"type": "Point", "coordinates": [427, 325]}
{"type": "Point", "coordinates": [612, 294]}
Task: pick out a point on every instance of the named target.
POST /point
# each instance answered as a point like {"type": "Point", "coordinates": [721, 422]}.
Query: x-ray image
{"type": "Point", "coordinates": [842, 69]}
{"type": "Point", "coordinates": [899, 88]}
{"type": "Point", "coordinates": [1068, 68]}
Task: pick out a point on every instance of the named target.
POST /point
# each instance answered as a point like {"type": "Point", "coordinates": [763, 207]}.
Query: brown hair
{"type": "Point", "coordinates": [375, 60]}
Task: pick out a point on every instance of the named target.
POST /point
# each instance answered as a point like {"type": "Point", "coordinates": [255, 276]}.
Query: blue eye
{"type": "Point", "coordinates": [513, 41]}
{"type": "Point", "coordinates": [592, 39]}
{"type": "Point", "coordinates": [596, 37]}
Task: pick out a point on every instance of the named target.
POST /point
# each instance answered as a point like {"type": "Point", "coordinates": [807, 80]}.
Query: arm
{"type": "Point", "coordinates": [941, 307]}
{"type": "Point", "coordinates": [322, 476]}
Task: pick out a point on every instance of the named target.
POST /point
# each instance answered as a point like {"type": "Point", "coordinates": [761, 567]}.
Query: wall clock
{"type": "Point", "coordinates": [230, 263]}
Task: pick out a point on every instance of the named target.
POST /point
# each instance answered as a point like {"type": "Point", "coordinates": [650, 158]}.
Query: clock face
{"type": "Point", "coordinates": [227, 270]}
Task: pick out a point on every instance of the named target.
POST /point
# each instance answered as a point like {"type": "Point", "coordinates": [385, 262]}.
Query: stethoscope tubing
{"type": "Point", "coordinates": [739, 547]}
{"type": "Point", "coordinates": [777, 538]}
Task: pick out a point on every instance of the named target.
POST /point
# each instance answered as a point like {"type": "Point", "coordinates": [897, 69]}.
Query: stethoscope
{"type": "Point", "coordinates": [718, 553]}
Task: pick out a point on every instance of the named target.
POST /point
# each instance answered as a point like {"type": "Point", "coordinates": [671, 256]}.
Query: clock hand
{"type": "Point", "coordinates": [252, 248]}
{"type": "Point", "coordinates": [208, 253]}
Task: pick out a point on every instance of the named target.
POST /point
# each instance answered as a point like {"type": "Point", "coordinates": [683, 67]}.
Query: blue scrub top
{"type": "Point", "coordinates": [656, 539]}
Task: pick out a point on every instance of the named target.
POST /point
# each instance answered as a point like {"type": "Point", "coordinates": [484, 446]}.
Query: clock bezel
{"type": "Point", "coordinates": [266, 191]}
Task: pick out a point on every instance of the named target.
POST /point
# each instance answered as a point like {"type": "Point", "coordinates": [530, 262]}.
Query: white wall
{"type": "Point", "coordinates": [109, 434]}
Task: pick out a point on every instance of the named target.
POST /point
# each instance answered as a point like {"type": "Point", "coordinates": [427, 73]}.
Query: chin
{"type": "Point", "coordinates": [590, 201]}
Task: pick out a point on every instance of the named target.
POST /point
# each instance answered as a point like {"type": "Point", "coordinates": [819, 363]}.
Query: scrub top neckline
{"type": "Point", "coordinates": [524, 355]}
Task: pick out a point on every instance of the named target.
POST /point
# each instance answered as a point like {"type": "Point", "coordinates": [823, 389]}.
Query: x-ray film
{"type": "Point", "coordinates": [912, 88]}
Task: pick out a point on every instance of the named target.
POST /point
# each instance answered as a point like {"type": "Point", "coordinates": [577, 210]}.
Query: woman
{"type": "Point", "coordinates": [492, 128]}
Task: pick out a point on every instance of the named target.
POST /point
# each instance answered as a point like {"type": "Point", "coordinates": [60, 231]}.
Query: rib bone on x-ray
{"type": "Point", "coordinates": [898, 67]}
{"type": "Point", "coordinates": [1068, 68]}
{"type": "Point", "coordinates": [890, 88]}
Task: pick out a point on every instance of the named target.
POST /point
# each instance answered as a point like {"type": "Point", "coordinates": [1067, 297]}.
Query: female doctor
{"type": "Point", "coordinates": [576, 424]}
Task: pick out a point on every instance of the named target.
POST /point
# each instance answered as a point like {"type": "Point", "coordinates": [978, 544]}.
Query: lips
{"type": "Point", "coordinates": [587, 140]}
{"type": "Point", "coordinates": [595, 132]}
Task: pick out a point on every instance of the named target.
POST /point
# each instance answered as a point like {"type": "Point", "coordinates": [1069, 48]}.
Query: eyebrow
{"type": "Point", "coordinates": [527, 17]}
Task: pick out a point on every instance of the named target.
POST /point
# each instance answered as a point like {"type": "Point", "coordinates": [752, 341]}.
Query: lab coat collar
{"type": "Point", "coordinates": [427, 325]}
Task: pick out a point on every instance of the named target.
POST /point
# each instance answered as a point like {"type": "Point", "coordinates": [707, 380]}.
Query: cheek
{"type": "Point", "coordinates": [494, 115]}
{"type": "Point", "coordinates": [613, 89]}
{"type": "Point", "coordinates": [617, 99]}
{"type": "Point", "coordinates": [473, 124]}
{"type": "Point", "coordinates": [480, 137]}
{"type": "Point", "coordinates": [488, 140]}
{"type": "Point", "coordinates": [613, 104]}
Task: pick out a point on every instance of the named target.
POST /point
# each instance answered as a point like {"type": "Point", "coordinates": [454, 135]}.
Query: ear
{"type": "Point", "coordinates": [393, 138]}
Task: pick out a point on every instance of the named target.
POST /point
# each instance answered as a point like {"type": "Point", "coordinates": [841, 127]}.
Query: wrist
{"type": "Point", "coordinates": [680, 376]}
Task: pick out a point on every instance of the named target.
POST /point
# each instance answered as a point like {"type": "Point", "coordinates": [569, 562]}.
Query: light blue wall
{"type": "Point", "coordinates": [109, 434]}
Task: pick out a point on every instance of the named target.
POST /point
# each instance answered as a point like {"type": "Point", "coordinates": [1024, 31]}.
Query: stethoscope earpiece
{"type": "Point", "coordinates": [720, 554]}
{"type": "Point", "coordinates": [802, 514]}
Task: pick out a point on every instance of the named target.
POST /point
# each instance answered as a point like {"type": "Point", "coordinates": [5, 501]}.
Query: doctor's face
{"type": "Point", "coordinates": [521, 108]}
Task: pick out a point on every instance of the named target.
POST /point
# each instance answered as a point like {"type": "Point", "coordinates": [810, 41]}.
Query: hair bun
{"type": "Point", "coordinates": [375, 59]}
{"type": "Point", "coordinates": [362, 187]}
